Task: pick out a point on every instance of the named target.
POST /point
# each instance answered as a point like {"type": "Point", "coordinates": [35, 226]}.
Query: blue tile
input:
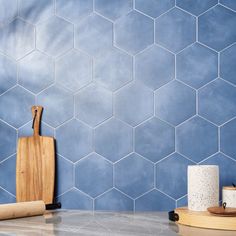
{"type": "Point", "coordinates": [74, 70]}
{"type": "Point", "coordinates": [36, 72]}
{"type": "Point", "coordinates": [154, 139]}
{"type": "Point", "coordinates": [197, 139]}
{"type": "Point", "coordinates": [134, 32]}
{"type": "Point", "coordinates": [113, 200]}
{"type": "Point", "coordinates": [182, 202]}
{"type": "Point", "coordinates": [93, 104]}
{"type": "Point", "coordinates": [52, 99]}
{"type": "Point", "coordinates": [197, 65]}
{"type": "Point", "coordinates": [113, 69]}
{"type": "Point", "coordinates": [213, 24]}
{"type": "Point", "coordinates": [175, 30]}
{"type": "Point", "coordinates": [134, 104]}
{"type": "Point", "coordinates": [172, 171]}
{"type": "Point", "coordinates": [17, 103]}
{"type": "Point", "coordinates": [217, 101]}
{"type": "Point", "coordinates": [113, 139]}
{"type": "Point", "coordinates": [45, 36]}
{"type": "Point", "coordinates": [154, 67]}
{"type": "Point", "coordinates": [8, 11]}
{"type": "Point", "coordinates": [229, 3]}
{"type": "Point", "coordinates": [228, 64]}
{"type": "Point", "coordinates": [5, 197]}
{"type": "Point", "coordinates": [175, 102]}
{"type": "Point", "coordinates": [17, 38]}
{"type": "Point", "coordinates": [134, 175]}
{"type": "Point", "coordinates": [93, 175]}
{"type": "Point", "coordinates": [154, 201]}
{"type": "Point", "coordinates": [7, 74]}
{"type": "Point", "coordinates": [113, 9]}
{"type": "Point", "coordinates": [74, 140]}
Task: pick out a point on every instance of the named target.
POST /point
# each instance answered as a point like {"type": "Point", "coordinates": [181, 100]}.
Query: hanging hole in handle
{"type": "Point", "coordinates": [35, 114]}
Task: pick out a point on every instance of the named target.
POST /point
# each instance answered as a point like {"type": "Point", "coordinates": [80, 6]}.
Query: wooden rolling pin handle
{"type": "Point", "coordinates": [36, 113]}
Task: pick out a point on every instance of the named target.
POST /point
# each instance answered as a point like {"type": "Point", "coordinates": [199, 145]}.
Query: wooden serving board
{"type": "Point", "coordinates": [35, 165]}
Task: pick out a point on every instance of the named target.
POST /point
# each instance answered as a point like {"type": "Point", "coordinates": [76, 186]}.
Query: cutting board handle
{"type": "Point", "coordinates": [36, 113]}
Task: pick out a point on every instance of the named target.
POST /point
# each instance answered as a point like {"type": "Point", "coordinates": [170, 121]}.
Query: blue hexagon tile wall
{"type": "Point", "coordinates": [134, 91]}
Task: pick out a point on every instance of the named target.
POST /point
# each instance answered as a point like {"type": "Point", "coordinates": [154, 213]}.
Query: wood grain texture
{"type": "Point", "coordinates": [228, 211]}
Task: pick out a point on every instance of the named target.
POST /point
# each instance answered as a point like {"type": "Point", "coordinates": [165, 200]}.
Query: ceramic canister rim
{"type": "Point", "coordinates": [202, 166]}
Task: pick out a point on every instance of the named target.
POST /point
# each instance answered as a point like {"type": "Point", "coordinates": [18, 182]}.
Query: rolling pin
{"type": "Point", "coordinates": [25, 209]}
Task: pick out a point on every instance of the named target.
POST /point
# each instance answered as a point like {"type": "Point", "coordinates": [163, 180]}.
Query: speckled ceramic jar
{"type": "Point", "coordinates": [229, 196]}
{"type": "Point", "coordinates": [203, 187]}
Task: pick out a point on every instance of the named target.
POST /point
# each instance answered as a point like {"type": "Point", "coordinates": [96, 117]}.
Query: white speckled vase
{"type": "Point", "coordinates": [229, 196]}
{"type": "Point", "coordinates": [203, 187]}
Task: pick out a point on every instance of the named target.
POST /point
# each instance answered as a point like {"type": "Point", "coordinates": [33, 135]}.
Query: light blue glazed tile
{"type": "Point", "coordinates": [197, 139]}
{"type": "Point", "coordinates": [228, 64]}
{"type": "Point", "coordinates": [175, 102]}
{"type": "Point", "coordinates": [17, 38]}
{"type": "Point", "coordinates": [175, 30]}
{"type": "Point", "coordinates": [113, 139]}
{"type": "Point", "coordinates": [227, 138]}
{"type": "Point", "coordinates": [45, 36]}
{"type": "Point", "coordinates": [196, 7]}
{"type": "Point", "coordinates": [36, 72]}
{"type": "Point", "coordinates": [74, 199]}
{"type": "Point", "coordinates": [134, 175]}
{"type": "Point", "coordinates": [58, 105]}
{"type": "Point", "coordinates": [154, 8]}
{"type": "Point", "coordinates": [74, 10]}
{"type": "Point", "coordinates": [34, 11]}
{"type": "Point", "coordinates": [7, 141]}
{"type": "Point", "coordinates": [154, 139]}
{"type": "Point", "coordinates": [93, 175]}
{"type": "Point", "coordinates": [17, 104]}
{"type": "Point", "coordinates": [154, 201]}
{"type": "Point", "coordinates": [93, 104]}
{"type": "Point", "coordinates": [113, 69]}
{"type": "Point", "coordinates": [8, 10]}
{"type": "Point", "coordinates": [7, 74]}
{"type": "Point", "coordinates": [93, 35]}
{"type": "Point", "coordinates": [134, 32]}
{"type": "Point", "coordinates": [216, 28]}
{"type": "Point", "coordinates": [74, 70]}
{"type": "Point", "coordinates": [113, 200]}
{"type": "Point", "coordinates": [229, 3]}
{"type": "Point", "coordinates": [171, 175]}
{"type": "Point", "coordinates": [182, 202]}
{"type": "Point", "coordinates": [74, 140]}
{"type": "Point", "coordinates": [134, 104]}
{"type": "Point", "coordinates": [113, 9]}
{"type": "Point", "coordinates": [197, 65]}
{"type": "Point", "coordinates": [154, 67]}
{"type": "Point", "coordinates": [217, 101]}
{"type": "Point", "coordinates": [5, 197]}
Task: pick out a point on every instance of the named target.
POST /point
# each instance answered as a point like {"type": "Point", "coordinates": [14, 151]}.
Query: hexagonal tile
{"type": "Point", "coordinates": [93, 175]}
{"type": "Point", "coordinates": [197, 139]}
{"type": "Point", "coordinates": [213, 24]}
{"type": "Point", "coordinates": [196, 7]}
{"type": "Point", "coordinates": [8, 10]}
{"type": "Point", "coordinates": [113, 139]}
{"type": "Point", "coordinates": [35, 11]}
{"type": "Point", "coordinates": [17, 103]}
{"type": "Point", "coordinates": [177, 177]}
{"type": "Point", "coordinates": [5, 197]}
{"type": "Point", "coordinates": [178, 25]}
{"type": "Point", "coordinates": [217, 101]}
{"type": "Point", "coordinates": [182, 202]}
{"type": "Point", "coordinates": [134, 104]}
{"type": "Point", "coordinates": [154, 139]}
{"type": "Point", "coordinates": [45, 36]}
{"type": "Point", "coordinates": [113, 9]}
{"type": "Point", "coordinates": [31, 75]}
{"type": "Point", "coordinates": [93, 34]}
{"type": "Point", "coordinates": [134, 32]}
{"type": "Point", "coordinates": [227, 137]}
{"type": "Point", "coordinates": [175, 102]}
{"type": "Point", "coordinates": [74, 140]}
{"type": "Point", "coordinates": [53, 98]}
{"type": "Point", "coordinates": [74, 10]}
{"type": "Point", "coordinates": [229, 3]}
{"type": "Point", "coordinates": [17, 38]}
{"type": "Point", "coordinates": [133, 175]}
{"type": "Point", "coordinates": [7, 74]}
{"type": "Point", "coordinates": [113, 69]}
{"type": "Point", "coordinates": [74, 70]}
{"type": "Point", "coordinates": [197, 65]}
{"type": "Point", "coordinates": [154, 67]}
{"type": "Point", "coordinates": [228, 64]}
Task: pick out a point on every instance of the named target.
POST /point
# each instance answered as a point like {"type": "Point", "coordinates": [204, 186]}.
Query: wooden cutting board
{"type": "Point", "coordinates": [35, 165]}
